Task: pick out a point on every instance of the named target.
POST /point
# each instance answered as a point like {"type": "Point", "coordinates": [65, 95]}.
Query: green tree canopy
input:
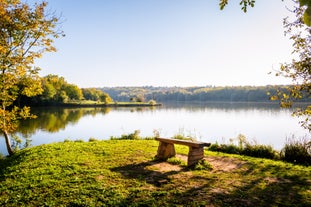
{"type": "Point", "coordinates": [57, 90]}
{"type": "Point", "coordinates": [96, 95]}
{"type": "Point", "coordinates": [25, 34]}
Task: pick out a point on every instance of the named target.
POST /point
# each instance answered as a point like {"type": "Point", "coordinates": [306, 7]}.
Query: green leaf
{"type": "Point", "coordinates": [307, 16]}
{"type": "Point", "coordinates": [222, 4]}
{"type": "Point", "coordinates": [304, 2]}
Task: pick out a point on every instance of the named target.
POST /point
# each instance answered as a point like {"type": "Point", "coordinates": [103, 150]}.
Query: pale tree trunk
{"type": "Point", "coordinates": [8, 143]}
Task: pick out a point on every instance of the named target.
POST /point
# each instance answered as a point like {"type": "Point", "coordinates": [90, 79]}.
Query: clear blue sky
{"type": "Point", "coordinates": [168, 43]}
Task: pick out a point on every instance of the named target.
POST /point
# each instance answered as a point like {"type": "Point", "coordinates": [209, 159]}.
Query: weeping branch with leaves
{"type": "Point", "coordinates": [25, 34]}
{"type": "Point", "coordinates": [244, 4]}
{"type": "Point", "coordinates": [299, 69]}
{"type": "Point", "coordinates": [305, 4]}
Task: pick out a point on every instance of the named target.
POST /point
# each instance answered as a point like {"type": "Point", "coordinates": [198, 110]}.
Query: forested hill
{"type": "Point", "coordinates": [207, 93]}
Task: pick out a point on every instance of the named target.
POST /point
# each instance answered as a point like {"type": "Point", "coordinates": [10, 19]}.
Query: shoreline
{"type": "Point", "coordinates": [125, 104]}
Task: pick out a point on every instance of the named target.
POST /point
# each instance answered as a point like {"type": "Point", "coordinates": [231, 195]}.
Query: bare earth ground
{"type": "Point", "coordinates": [223, 164]}
{"type": "Point", "coordinates": [162, 173]}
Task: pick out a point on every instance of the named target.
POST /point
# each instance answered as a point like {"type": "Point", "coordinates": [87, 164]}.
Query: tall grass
{"type": "Point", "coordinates": [258, 150]}
{"type": "Point", "coordinates": [297, 151]}
{"type": "Point", "coordinates": [131, 136]}
{"type": "Point", "coordinates": [244, 147]}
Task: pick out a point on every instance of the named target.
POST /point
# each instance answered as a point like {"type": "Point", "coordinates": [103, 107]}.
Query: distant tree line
{"type": "Point", "coordinates": [56, 91]}
{"type": "Point", "coordinates": [207, 93]}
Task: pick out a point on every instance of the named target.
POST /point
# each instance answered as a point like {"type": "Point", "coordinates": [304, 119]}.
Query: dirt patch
{"type": "Point", "coordinates": [99, 177]}
{"type": "Point", "coordinates": [164, 167]}
{"type": "Point", "coordinates": [224, 164]}
{"type": "Point", "coordinates": [273, 180]}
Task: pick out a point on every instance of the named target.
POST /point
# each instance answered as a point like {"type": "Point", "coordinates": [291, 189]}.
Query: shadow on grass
{"type": "Point", "coordinates": [168, 191]}
{"type": "Point", "coordinates": [267, 186]}
{"type": "Point", "coordinates": [140, 172]}
{"type": "Point", "coordinates": [278, 189]}
{"type": "Point", "coordinates": [10, 161]}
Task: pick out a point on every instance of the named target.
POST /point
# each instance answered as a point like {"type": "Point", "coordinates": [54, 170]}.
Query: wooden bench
{"type": "Point", "coordinates": [166, 149]}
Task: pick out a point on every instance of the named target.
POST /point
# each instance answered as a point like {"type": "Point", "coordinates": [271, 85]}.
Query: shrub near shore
{"type": "Point", "coordinates": [295, 151]}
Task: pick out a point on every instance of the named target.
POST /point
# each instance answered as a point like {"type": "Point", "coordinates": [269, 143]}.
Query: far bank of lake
{"type": "Point", "coordinates": [264, 123]}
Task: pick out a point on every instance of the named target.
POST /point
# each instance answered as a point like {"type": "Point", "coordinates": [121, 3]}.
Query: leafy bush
{"type": "Point", "coordinates": [152, 102]}
{"type": "Point", "coordinates": [148, 138]}
{"type": "Point", "coordinates": [203, 165]}
{"type": "Point", "coordinates": [92, 139]}
{"type": "Point", "coordinates": [214, 147]}
{"type": "Point", "coordinates": [297, 151]}
{"type": "Point", "coordinates": [225, 148]}
{"type": "Point", "coordinates": [176, 161]}
{"type": "Point", "coordinates": [262, 151]}
{"type": "Point", "coordinates": [182, 137]}
{"type": "Point", "coordinates": [243, 147]}
{"type": "Point", "coordinates": [131, 136]}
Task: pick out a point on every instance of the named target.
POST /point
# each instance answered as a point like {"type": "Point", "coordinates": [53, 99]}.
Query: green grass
{"type": "Point", "coordinates": [124, 173]}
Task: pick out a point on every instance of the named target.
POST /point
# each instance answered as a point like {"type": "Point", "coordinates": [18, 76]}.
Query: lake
{"type": "Point", "coordinates": [211, 122]}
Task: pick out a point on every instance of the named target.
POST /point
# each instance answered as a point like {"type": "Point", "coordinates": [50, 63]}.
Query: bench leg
{"type": "Point", "coordinates": [165, 151]}
{"type": "Point", "coordinates": [195, 155]}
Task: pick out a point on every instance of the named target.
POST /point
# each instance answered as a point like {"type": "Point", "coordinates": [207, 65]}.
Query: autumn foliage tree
{"type": "Point", "coordinates": [26, 32]}
{"type": "Point", "coordinates": [299, 69]}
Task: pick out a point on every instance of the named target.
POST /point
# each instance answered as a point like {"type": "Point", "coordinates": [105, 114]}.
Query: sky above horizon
{"type": "Point", "coordinates": [168, 43]}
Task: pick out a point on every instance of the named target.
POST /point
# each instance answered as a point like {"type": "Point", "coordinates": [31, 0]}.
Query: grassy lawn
{"type": "Point", "coordinates": [124, 173]}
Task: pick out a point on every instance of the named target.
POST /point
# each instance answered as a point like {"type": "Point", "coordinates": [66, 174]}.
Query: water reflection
{"type": "Point", "coordinates": [193, 106]}
{"type": "Point", "coordinates": [211, 122]}
{"type": "Point", "coordinates": [54, 119]}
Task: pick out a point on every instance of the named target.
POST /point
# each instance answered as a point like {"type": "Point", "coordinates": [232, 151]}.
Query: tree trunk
{"type": "Point", "coordinates": [8, 143]}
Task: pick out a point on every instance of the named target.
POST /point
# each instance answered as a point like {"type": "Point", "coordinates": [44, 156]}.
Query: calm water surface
{"type": "Point", "coordinates": [211, 122]}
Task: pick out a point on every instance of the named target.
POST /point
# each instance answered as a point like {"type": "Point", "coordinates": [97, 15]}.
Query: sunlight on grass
{"type": "Point", "coordinates": [125, 173]}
